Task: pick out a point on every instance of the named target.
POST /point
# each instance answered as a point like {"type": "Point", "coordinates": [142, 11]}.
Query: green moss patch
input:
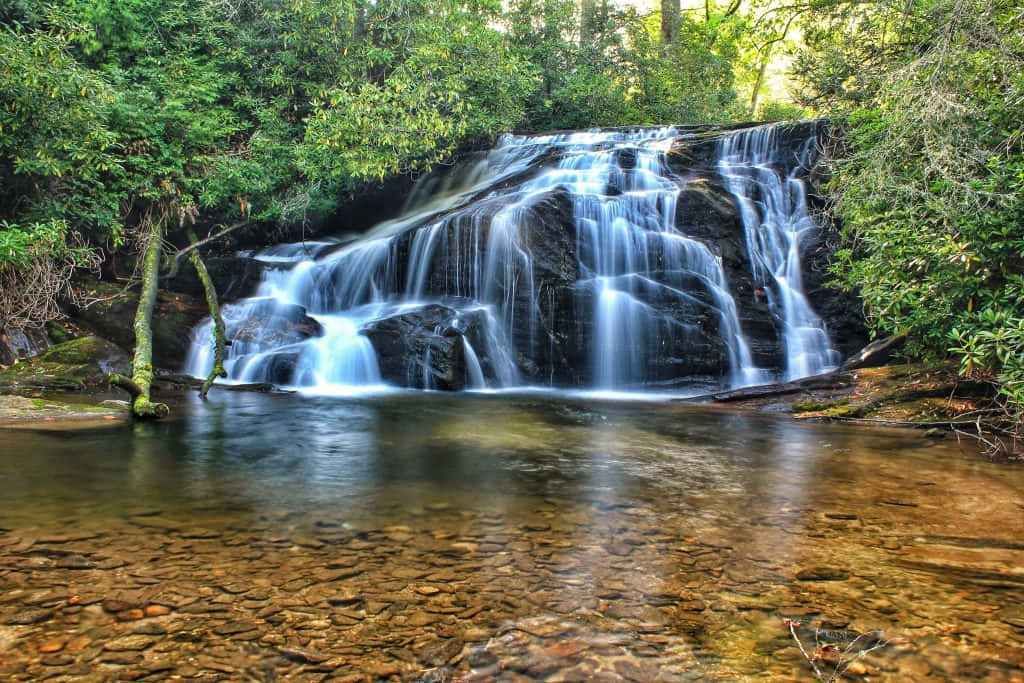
{"type": "Point", "coordinates": [72, 366]}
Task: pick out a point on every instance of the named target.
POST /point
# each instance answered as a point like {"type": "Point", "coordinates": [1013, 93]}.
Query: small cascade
{"type": "Point", "coordinates": [773, 205]}
{"type": "Point", "coordinates": [552, 260]}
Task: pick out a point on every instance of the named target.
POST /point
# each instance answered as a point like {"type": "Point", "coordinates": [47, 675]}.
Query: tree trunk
{"type": "Point", "coordinates": [142, 362]}
{"type": "Point", "coordinates": [669, 21]}
{"type": "Point", "coordinates": [219, 330]}
{"type": "Point", "coordinates": [759, 82]}
{"type": "Point", "coordinates": [588, 19]}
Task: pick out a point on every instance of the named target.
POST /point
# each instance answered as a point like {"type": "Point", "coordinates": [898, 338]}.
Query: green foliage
{"type": "Point", "coordinates": [781, 111]}
{"type": "Point", "coordinates": [931, 175]}
{"type": "Point", "coordinates": [21, 245]}
{"type": "Point", "coordinates": [609, 68]}
{"type": "Point", "coordinates": [199, 113]}
{"type": "Point", "coordinates": [689, 81]}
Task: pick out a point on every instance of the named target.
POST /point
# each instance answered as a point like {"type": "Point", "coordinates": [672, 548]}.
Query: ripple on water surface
{"type": "Point", "coordinates": [492, 536]}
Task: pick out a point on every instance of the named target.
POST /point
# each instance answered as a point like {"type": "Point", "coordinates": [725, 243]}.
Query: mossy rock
{"type": "Point", "coordinates": [839, 408]}
{"type": "Point", "coordinates": [77, 365]}
{"type": "Point", "coordinates": [843, 410]}
{"type": "Point", "coordinates": [935, 409]}
{"type": "Point", "coordinates": [79, 351]}
{"type": "Point", "coordinates": [813, 406]}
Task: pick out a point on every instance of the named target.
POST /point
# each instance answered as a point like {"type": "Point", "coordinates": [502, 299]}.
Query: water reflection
{"type": "Point", "coordinates": [672, 533]}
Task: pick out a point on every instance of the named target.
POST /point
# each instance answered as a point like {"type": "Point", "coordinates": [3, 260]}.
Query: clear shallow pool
{"type": "Point", "coordinates": [489, 537]}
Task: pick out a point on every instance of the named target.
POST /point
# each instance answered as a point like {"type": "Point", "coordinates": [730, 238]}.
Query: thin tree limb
{"type": "Point", "coordinates": [185, 251]}
{"type": "Point", "coordinates": [219, 329]}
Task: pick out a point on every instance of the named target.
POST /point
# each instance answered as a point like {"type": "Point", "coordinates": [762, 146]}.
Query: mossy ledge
{"type": "Point", "coordinates": [78, 365]}
{"type": "Point", "coordinates": [22, 411]}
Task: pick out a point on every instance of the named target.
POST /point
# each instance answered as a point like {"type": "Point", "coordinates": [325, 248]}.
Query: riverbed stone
{"type": "Point", "coordinates": [129, 643]}
{"type": "Point", "coordinates": [27, 617]}
{"type": "Point", "coordinates": [822, 573]}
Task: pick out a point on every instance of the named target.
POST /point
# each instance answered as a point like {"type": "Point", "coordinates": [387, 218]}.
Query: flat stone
{"type": "Point", "coordinates": [427, 590]}
{"type": "Point", "coordinates": [52, 645]}
{"type": "Point", "coordinates": [78, 644]}
{"type": "Point", "coordinates": [27, 617]}
{"type": "Point", "coordinates": [343, 599]}
{"type": "Point", "coordinates": [233, 627]}
{"type": "Point", "coordinates": [822, 574]}
{"type": "Point", "coordinates": [129, 643]}
{"type": "Point", "coordinates": [130, 615]}
{"type": "Point", "coordinates": [206, 662]}
{"type": "Point", "coordinates": [58, 539]}
{"type": "Point", "coordinates": [58, 660]}
{"type": "Point", "coordinates": [121, 658]}
{"type": "Point", "coordinates": [567, 648]}
{"type": "Point", "coordinates": [422, 619]}
{"type": "Point", "coordinates": [374, 607]}
{"type": "Point", "coordinates": [114, 606]}
{"type": "Point", "coordinates": [75, 562]}
{"type": "Point", "coordinates": [302, 655]}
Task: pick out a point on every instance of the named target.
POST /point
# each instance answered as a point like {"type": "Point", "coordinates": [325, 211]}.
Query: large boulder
{"type": "Point", "coordinates": [421, 349]}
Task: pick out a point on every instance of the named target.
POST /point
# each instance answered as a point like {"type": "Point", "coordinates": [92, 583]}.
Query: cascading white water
{"type": "Point", "coordinates": [613, 297]}
{"type": "Point", "coordinates": [773, 205]}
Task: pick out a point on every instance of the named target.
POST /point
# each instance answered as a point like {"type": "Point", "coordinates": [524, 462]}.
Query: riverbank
{"type": "Point", "coordinates": [929, 397]}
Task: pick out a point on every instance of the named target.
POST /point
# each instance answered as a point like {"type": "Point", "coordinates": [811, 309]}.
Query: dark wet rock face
{"type": "Point", "coordinates": [233, 276]}
{"type": "Point", "coordinates": [109, 311]}
{"type": "Point", "coordinates": [16, 343]}
{"type": "Point", "coordinates": [422, 349]}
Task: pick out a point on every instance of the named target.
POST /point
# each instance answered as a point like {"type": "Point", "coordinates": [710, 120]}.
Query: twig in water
{"type": "Point", "coordinates": [847, 657]}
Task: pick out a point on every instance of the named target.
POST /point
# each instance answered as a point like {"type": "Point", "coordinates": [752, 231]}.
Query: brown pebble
{"type": "Point", "coordinates": [428, 590]}
{"type": "Point", "coordinates": [78, 644]}
{"type": "Point", "coordinates": [52, 645]}
{"type": "Point", "coordinates": [343, 599]}
{"type": "Point", "coordinates": [130, 615]}
{"type": "Point", "coordinates": [114, 606]}
{"type": "Point", "coordinates": [156, 610]}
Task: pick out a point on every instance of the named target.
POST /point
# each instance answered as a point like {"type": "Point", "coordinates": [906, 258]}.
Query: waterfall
{"type": "Point", "coordinates": [551, 260]}
{"type": "Point", "coordinates": [773, 205]}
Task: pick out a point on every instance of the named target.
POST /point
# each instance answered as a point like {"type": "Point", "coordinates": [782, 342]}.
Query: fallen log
{"type": "Point", "coordinates": [831, 380]}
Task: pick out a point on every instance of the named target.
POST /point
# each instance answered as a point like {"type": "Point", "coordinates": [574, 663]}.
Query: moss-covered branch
{"type": "Point", "coordinates": [219, 330]}
{"type": "Point", "coordinates": [142, 361]}
{"type": "Point", "coordinates": [126, 383]}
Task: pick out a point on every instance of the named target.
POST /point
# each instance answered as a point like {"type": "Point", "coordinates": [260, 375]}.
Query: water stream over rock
{"type": "Point", "coordinates": [614, 260]}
